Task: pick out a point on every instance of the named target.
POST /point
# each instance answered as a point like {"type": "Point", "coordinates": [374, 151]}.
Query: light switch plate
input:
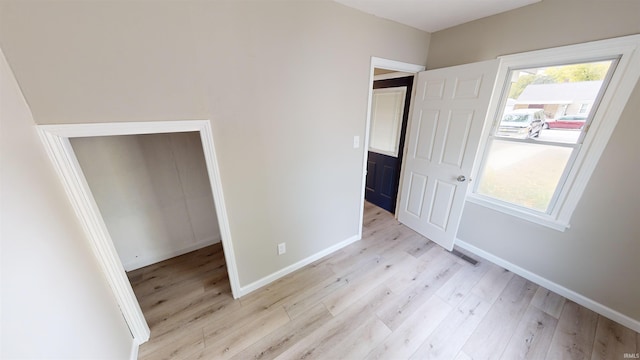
{"type": "Point", "coordinates": [356, 142]}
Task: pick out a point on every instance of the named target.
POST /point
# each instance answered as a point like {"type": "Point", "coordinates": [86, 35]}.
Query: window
{"type": "Point", "coordinates": [530, 149]}
{"type": "Point", "coordinates": [583, 108]}
{"type": "Point", "coordinates": [554, 113]}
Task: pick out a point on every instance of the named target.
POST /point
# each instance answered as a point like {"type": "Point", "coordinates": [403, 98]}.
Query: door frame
{"type": "Point", "coordinates": [386, 64]}
{"type": "Point", "coordinates": [402, 80]}
{"type": "Point", "coordinates": [56, 142]}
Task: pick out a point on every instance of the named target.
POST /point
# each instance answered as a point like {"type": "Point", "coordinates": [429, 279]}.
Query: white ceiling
{"type": "Point", "coordinates": [434, 15]}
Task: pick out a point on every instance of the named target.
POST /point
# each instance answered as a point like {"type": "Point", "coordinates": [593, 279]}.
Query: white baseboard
{"type": "Point", "coordinates": [134, 350]}
{"type": "Point", "coordinates": [149, 259]}
{"type": "Point", "coordinates": [558, 289]}
{"type": "Point", "coordinates": [244, 290]}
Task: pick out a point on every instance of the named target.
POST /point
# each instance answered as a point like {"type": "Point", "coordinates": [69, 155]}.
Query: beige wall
{"type": "Point", "coordinates": [284, 83]}
{"type": "Point", "coordinates": [56, 303]}
{"type": "Point", "coordinates": [153, 193]}
{"type": "Point", "coordinates": [542, 25]}
{"type": "Point", "coordinates": [598, 256]}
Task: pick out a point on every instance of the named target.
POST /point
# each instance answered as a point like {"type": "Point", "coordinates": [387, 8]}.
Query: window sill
{"type": "Point", "coordinates": [536, 218]}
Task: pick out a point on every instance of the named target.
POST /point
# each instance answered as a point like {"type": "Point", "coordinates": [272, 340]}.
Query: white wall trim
{"type": "Point", "coordinates": [293, 267]}
{"type": "Point", "coordinates": [60, 151]}
{"type": "Point", "coordinates": [146, 260]}
{"type": "Point", "coordinates": [387, 64]}
{"type": "Point", "coordinates": [134, 351]}
{"type": "Point", "coordinates": [559, 289]}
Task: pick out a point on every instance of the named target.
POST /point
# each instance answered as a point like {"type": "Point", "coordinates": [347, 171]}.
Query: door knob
{"type": "Point", "coordinates": [461, 178]}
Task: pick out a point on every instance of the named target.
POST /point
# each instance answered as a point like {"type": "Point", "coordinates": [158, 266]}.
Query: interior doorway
{"type": "Point", "coordinates": [56, 139]}
{"type": "Point", "coordinates": [390, 105]}
{"type": "Point", "coordinates": [381, 69]}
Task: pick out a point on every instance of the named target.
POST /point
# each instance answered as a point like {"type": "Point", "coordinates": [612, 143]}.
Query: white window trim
{"type": "Point", "coordinates": [613, 102]}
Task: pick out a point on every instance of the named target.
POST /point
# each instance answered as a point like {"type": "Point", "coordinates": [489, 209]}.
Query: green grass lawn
{"type": "Point", "coordinates": [523, 174]}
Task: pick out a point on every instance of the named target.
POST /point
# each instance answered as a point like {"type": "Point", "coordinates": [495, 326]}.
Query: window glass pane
{"type": "Point", "coordinates": [552, 103]}
{"type": "Point", "coordinates": [524, 174]}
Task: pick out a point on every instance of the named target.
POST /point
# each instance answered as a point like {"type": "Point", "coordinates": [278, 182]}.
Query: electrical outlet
{"type": "Point", "coordinates": [356, 142]}
{"type": "Point", "coordinates": [282, 248]}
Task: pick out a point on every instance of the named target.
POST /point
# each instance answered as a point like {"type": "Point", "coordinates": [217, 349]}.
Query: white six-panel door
{"type": "Point", "coordinates": [449, 112]}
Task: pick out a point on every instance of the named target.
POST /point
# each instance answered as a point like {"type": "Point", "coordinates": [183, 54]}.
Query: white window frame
{"type": "Point", "coordinates": [622, 82]}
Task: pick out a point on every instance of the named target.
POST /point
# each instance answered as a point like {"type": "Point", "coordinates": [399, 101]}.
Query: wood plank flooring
{"type": "Point", "coordinates": [392, 295]}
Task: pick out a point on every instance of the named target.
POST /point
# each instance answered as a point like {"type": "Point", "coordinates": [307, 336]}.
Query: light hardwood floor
{"type": "Point", "coordinates": [392, 295]}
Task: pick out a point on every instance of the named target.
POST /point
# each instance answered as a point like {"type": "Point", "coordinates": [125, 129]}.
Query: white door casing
{"type": "Point", "coordinates": [56, 141]}
{"type": "Point", "coordinates": [449, 112]}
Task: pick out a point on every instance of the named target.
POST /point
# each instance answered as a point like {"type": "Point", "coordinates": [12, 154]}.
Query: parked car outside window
{"type": "Point", "coordinates": [521, 123]}
{"type": "Point", "coordinates": [567, 122]}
